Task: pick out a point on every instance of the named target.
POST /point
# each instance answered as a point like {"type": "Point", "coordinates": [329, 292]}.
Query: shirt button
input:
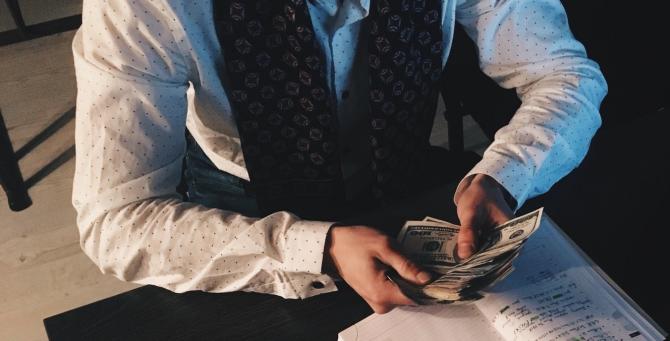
{"type": "Point", "coordinates": [317, 285]}
{"type": "Point", "coordinates": [345, 94]}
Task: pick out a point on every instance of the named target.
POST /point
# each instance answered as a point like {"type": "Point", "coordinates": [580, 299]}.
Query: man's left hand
{"type": "Point", "coordinates": [480, 205]}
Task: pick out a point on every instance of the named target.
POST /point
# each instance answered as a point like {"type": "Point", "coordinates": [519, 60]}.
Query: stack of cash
{"type": "Point", "coordinates": [432, 243]}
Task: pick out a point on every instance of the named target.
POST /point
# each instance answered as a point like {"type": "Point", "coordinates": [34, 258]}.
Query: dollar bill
{"type": "Point", "coordinates": [432, 243]}
{"type": "Point", "coordinates": [514, 231]}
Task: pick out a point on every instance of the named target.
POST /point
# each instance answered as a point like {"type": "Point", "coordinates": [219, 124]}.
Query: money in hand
{"type": "Point", "coordinates": [432, 243]}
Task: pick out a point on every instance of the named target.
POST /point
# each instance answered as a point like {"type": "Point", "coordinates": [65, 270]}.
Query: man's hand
{"type": "Point", "coordinates": [361, 255]}
{"type": "Point", "coordinates": [480, 205]}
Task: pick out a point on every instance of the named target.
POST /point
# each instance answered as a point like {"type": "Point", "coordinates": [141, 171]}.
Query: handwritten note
{"type": "Point", "coordinates": [552, 296]}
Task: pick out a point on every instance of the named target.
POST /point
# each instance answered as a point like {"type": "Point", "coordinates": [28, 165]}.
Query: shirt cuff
{"type": "Point", "coordinates": [304, 246]}
{"type": "Point", "coordinates": [511, 174]}
{"type": "Point", "coordinates": [305, 243]}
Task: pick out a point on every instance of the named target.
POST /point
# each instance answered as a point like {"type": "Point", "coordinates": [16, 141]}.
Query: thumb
{"type": "Point", "coordinates": [404, 267]}
{"type": "Point", "coordinates": [467, 236]}
{"type": "Point", "coordinates": [467, 241]}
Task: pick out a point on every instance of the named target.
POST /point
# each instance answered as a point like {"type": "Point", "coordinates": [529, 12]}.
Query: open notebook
{"type": "Point", "coordinates": [555, 293]}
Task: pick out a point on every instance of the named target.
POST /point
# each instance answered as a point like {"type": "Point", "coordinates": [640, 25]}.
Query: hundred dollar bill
{"type": "Point", "coordinates": [431, 244]}
{"type": "Point", "coordinates": [511, 233]}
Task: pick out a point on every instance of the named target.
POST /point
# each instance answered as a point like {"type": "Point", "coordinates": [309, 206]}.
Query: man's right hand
{"type": "Point", "coordinates": [361, 255]}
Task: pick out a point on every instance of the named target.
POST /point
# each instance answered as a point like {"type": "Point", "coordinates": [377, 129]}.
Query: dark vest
{"type": "Point", "coordinates": [286, 118]}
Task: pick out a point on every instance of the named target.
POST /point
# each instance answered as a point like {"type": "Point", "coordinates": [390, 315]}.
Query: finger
{"type": "Point", "coordinates": [395, 295]}
{"type": "Point", "coordinates": [467, 236]}
{"type": "Point", "coordinates": [403, 266]}
{"type": "Point", "coordinates": [383, 295]}
{"type": "Point", "coordinates": [388, 291]}
{"type": "Point", "coordinates": [501, 215]}
{"type": "Point", "coordinates": [467, 241]}
{"type": "Point", "coordinates": [380, 308]}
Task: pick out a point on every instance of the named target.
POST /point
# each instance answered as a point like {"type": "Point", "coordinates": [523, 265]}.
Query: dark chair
{"type": "Point", "coordinates": [463, 86]}
{"type": "Point", "coordinates": [10, 174]}
{"type": "Point", "coordinates": [466, 90]}
{"type": "Point", "coordinates": [15, 11]}
{"type": "Point", "coordinates": [24, 32]}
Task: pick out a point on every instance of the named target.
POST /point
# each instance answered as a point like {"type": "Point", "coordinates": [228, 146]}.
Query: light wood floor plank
{"type": "Point", "coordinates": [42, 268]}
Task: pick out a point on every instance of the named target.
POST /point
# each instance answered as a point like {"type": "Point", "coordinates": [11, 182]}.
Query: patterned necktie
{"type": "Point", "coordinates": [287, 123]}
{"type": "Point", "coordinates": [405, 51]}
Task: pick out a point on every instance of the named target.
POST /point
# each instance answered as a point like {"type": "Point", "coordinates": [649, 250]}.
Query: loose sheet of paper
{"type": "Point", "coordinates": [556, 295]}
{"type": "Point", "coordinates": [425, 323]}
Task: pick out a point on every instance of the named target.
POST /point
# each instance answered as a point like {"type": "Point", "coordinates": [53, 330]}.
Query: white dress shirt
{"type": "Point", "coordinates": [147, 70]}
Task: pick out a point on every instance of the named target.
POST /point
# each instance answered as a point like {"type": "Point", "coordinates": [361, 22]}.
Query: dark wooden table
{"type": "Point", "coordinates": [153, 313]}
{"type": "Point", "coordinates": [617, 200]}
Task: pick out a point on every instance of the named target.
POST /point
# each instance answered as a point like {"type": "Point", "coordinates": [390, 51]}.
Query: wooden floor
{"type": "Point", "coordinates": [42, 268]}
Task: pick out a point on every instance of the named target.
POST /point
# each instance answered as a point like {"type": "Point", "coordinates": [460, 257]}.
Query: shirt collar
{"type": "Point", "coordinates": [332, 6]}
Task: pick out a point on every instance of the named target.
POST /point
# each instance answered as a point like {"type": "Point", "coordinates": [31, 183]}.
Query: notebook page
{"type": "Point", "coordinates": [426, 323]}
{"type": "Point", "coordinates": [555, 294]}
